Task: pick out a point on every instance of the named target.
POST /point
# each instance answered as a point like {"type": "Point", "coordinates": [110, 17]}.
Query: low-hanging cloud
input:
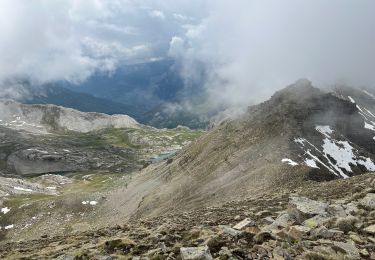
{"type": "Point", "coordinates": [46, 41]}
{"type": "Point", "coordinates": [252, 48]}
{"type": "Point", "coordinates": [240, 51]}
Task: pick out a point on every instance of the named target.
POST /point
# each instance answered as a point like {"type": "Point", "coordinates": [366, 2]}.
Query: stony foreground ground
{"type": "Point", "coordinates": [331, 220]}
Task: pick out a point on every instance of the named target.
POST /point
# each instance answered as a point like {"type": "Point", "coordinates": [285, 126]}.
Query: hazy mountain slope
{"type": "Point", "coordinates": [154, 93]}
{"type": "Point", "coordinates": [53, 94]}
{"type": "Point", "coordinates": [145, 84]}
{"type": "Point", "coordinates": [300, 133]}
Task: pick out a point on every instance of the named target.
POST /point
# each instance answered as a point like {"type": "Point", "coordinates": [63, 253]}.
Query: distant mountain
{"type": "Point", "coordinates": [160, 116]}
{"type": "Point", "coordinates": [146, 84]}
{"type": "Point", "coordinates": [47, 118]}
{"type": "Point", "coordinates": [53, 94]}
{"type": "Point", "coordinates": [144, 91]}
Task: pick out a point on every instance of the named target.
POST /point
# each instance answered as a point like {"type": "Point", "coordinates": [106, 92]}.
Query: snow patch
{"type": "Point", "coordinates": [325, 130]}
{"type": "Point", "coordinates": [9, 226]}
{"type": "Point", "coordinates": [23, 189]}
{"type": "Point", "coordinates": [87, 202]}
{"type": "Point", "coordinates": [311, 163]}
{"type": "Point", "coordinates": [368, 93]}
{"type": "Point", "coordinates": [339, 155]}
{"type": "Point", "coordinates": [37, 150]}
{"type": "Point", "coordinates": [369, 126]}
{"type": "Point", "coordinates": [5, 210]}
{"type": "Point", "coordinates": [289, 161]}
{"type": "Point", "coordinates": [351, 99]}
{"type": "Point", "coordinates": [341, 152]}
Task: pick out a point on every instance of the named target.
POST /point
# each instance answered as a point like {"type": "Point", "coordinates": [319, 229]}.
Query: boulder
{"type": "Point", "coordinates": [323, 232]}
{"type": "Point", "coordinates": [283, 221]}
{"type": "Point", "coordinates": [370, 229]}
{"type": "Point", "coordinates": [301, 208]}
{"type": "Point", "coordinates": [316, 221]}
{"type": "Point", "coordinates": [348, 248]}
{"type": "Point", "coordinates": [230, 231]}
{"type": "Point", "coordinates": [351, 208]}
{"type": "Point", "coordinates": [298, 232]}
{"type": "Point", "coordinates": [336, 210]}
{"type": "Point", "coordinates": [250, 232]}
{"type": "Point", "coordinates": [268, 220]}
{"type": "Point", "coordinates": [355, 238]}
{"type": "Point", "coordinates": [368, 202]}
{"type": "Point", "coordinates": [195, 253]}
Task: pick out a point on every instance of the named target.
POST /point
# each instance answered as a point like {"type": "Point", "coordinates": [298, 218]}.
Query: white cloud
{"type": "Point", "coordinates": [72, 39]}
{"type": "Point", "coordinates": [246, 48]}
{"type": "Point", "coordinates": [157, 14]}
{"type": "Point", "coordinates": [176, 47]}
{"type": "Point", "coordinates": [183, 18]}
{"type": "Point", "coordinates": [252, 48]}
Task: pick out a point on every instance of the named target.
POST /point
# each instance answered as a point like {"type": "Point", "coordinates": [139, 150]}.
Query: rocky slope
{"type": "Point", "coordinates": [46, 118]}
{"type": "Point", "coordinates": [327, 220]}
{"type": "Point", "coordinates": [116, 150]}
{"type": "Point", "coordinates": [52, 180]}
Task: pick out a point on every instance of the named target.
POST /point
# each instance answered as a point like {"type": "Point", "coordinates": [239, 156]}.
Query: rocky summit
{"type": "Point", "coordinates": [291, 178]}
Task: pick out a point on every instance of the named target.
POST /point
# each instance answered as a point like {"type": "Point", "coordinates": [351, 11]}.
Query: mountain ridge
{"type": "Point", "coordinates": [246, 156]}
{"type": "Point", "coordinates": [57, 118]}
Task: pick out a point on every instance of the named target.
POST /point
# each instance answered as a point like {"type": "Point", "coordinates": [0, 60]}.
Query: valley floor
{"type": "Point", "coordinates": [328, 220]}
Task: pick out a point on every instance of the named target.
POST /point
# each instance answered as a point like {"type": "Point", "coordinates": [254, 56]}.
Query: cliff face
{"type": "Point", "coordinates": [46, 118]}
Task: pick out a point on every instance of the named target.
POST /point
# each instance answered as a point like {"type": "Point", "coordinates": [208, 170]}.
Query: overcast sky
{"type": "Point", "coordinates": [249, 47]}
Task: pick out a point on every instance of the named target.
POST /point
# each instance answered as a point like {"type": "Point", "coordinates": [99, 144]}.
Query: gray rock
{"type": "Point", "coordinates": [195, 253]}
{"type": "Point", "coordinates": [224, 252]}
{"type": "Point", "coordinates": [298, 232]}
{"type": "Point", "coordinates": [349, 249]}
{"type": "Point", "coordinates": [351, 208]}
{"type": "Point", "coordinates": [23, 164]}
{"type": "Point", "coordinates": [336, 210]}
{"type": "Point", "coordinates": [368, 202]}
{"type": "Point", "coordinates": [268, 220]}
{"type": "Point", "coordinates": [3, 156]}
{"type": "Point", "coordinates": [283, 220]}
{"type": "Point", "coordinates": [230, 231]}
{"type": "Point", "coordinates": [370, 229]}
{"type": "Point", "coordinates": [301, 208]}
{"type": "Point", "coordinates": [244, 223]}
{"type": "Point", "coordinates": [323, 232]}
{"type": "Point", "coordinates": [316, 221]}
